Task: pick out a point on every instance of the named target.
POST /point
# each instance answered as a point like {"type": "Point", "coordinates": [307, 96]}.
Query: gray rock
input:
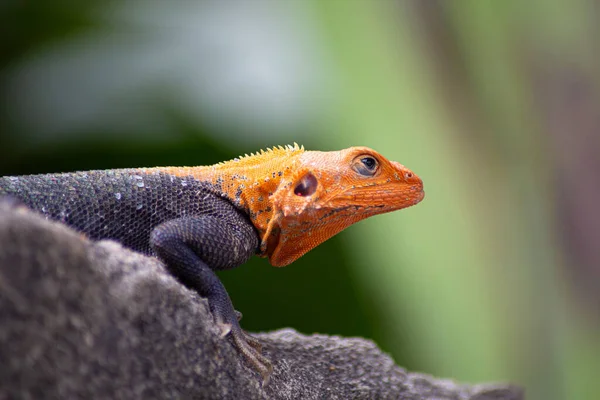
{"type": "Point", "coordinates": [89, 320]}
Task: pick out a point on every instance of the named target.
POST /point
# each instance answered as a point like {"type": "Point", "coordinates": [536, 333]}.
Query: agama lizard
{"type": "Point", "coordinates": [279, 203]}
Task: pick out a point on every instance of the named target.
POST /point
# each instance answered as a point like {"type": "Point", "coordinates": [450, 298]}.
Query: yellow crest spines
{"type": "Point", "coordinates": [273, 151]}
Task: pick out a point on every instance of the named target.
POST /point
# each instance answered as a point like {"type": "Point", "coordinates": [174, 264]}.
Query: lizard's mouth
{"type": "Point", "coordinates": [384, 199]}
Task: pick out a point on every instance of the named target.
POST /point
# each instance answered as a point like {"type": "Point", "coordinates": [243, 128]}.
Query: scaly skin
{"type": "Point", "coordinates": [279, 204]}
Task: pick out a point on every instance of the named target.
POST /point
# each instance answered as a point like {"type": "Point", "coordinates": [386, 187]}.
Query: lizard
{"type": "Point", "coordinates": [278, 203]}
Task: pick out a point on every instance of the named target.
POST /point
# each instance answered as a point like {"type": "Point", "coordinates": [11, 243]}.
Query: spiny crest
{"type": "Point", "coordinates": [261, 155]}
{"type": "Point", "coordinates": [281, 149]}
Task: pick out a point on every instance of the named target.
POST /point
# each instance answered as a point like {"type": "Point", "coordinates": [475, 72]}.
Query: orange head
{"type": "Point", "coordinates": [326, 192]}
{"type": "Point", "coordinates": [297, 199]}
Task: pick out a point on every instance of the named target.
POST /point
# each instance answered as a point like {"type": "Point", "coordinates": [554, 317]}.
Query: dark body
{"type": "Point", "coordinates": [124, 205]}
{"type": "Point", "coordinates": [186, 223]}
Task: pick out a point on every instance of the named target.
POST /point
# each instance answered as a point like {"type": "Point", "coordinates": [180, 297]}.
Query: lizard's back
{"type": "Point", "coordinates": [124, 205]}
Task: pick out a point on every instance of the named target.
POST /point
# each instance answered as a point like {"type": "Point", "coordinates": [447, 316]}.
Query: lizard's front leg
{"type": "Point", "coordinates": [192, 247]}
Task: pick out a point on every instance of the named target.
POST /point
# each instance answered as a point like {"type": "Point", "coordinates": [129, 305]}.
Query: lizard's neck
{"type": "Point", "coordinates": [249, 181]}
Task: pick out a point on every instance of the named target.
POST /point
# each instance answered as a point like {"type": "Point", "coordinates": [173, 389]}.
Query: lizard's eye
{"type": "Point", "coordinates": [366, 165]}
{"type": "Point", "coordinates": [307, 185]}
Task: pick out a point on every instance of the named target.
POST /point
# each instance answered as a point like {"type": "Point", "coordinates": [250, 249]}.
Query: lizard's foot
{"type": "Point", "coordinates": [249, 346]}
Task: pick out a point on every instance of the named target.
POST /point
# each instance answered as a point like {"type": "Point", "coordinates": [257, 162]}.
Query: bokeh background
{"type": "Point", "coordinates": [495, 104]}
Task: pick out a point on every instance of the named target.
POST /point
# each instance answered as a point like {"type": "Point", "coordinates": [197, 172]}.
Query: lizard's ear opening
{"type": "Point", "coordinates": [307, 185]}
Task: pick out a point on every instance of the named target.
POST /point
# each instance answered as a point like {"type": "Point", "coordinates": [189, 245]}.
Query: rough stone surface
{"type": "Point", "coordinates": [94, 320]}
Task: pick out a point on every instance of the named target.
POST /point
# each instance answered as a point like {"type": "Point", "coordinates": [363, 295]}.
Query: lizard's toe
{"type": "Point", "coordinates": [252, 341]}
{"type": "Point", "coordinates": [250, 348]}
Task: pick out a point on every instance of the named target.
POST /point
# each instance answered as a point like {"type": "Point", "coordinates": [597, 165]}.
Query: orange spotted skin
{"type": "Point", "coordinates": [297, 199]}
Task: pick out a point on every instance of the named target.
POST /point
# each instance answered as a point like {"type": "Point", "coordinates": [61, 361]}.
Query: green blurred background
{"type": "Point", "coordinates": [495, 104]}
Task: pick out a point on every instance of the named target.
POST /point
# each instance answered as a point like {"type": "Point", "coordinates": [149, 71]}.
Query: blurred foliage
{"type": "Point", "coordinates": [495, 105]}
